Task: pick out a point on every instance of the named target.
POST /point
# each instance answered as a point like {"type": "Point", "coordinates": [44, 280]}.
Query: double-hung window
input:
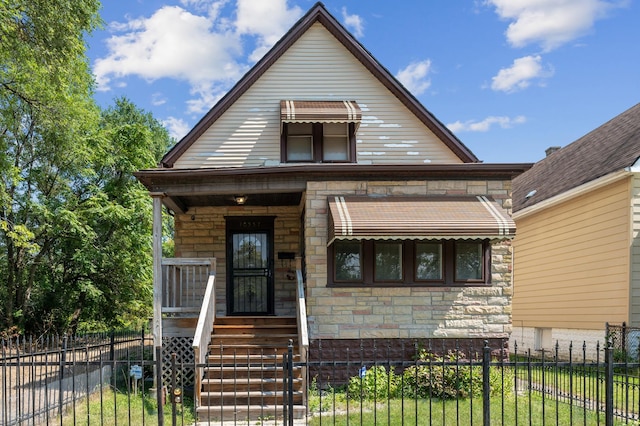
{"type": "Point", "coordinates": [319, 131]}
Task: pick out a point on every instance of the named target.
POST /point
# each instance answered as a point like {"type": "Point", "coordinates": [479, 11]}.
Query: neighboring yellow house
{"type": "Point", "coordinates": [577, 254]}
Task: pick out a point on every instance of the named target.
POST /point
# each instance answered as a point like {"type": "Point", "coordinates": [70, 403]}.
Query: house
{"type": "Point", "coordinates": [319, 189]}
{"type": "Point", "coordinates": [578, 255]}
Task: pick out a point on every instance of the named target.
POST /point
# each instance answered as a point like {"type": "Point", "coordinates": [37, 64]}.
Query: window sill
{"type": "Point", "coordinates": [405, 285]}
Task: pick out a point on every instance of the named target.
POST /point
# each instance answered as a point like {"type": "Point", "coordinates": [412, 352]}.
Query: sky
{"type": "Point", "coordinates": [510, 78]}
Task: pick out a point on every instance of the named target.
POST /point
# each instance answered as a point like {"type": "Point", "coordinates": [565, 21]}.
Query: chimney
{"type": "Point", "coordinates": [551, 150]}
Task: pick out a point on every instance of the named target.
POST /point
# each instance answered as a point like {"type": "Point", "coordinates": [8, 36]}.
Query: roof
{"type": "Point", "coordinates": [318, 13]}
{"type": "Point", "coordinates": [431, 217]}
{"type": "Point", "coordinates": [610, 148]}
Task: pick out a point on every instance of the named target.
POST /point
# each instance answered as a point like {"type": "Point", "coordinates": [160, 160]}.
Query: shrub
{"type": "Point", "coordinates": [375, 383]}
{"type": "Point", "coordinates": [444, 378]}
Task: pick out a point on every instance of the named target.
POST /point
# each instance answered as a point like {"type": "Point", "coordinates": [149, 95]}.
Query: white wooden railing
{"type": "Point", "coordinates": [184, 282]}
{"type": "Point", "coordinates": [204, 328]}
{"type": "Point", "coordinates": [303, 331]}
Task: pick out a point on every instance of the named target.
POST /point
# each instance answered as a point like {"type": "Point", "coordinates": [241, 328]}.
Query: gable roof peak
{"type": "Point", "coordinates": [319, 13]}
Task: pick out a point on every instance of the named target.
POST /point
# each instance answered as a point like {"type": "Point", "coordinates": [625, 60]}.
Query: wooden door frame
{"type": "Point", "coordinates": [248, 224]}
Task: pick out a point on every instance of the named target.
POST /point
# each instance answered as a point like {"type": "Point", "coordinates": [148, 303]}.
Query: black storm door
{"type": "Point", "coordinates": [250, 266]}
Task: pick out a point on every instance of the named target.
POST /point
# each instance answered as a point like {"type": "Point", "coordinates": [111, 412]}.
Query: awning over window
{"type": "Point", "coordinates": [464, 217]}
{"type": "Point", "coordinates": [320, 112]}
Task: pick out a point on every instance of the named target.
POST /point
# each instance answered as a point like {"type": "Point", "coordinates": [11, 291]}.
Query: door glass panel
{"type": "Point", "coordinates": [250, 272]}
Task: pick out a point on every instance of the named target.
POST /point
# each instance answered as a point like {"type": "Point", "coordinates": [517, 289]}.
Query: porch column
{"type": "Point", "coordinates": [157, 268]}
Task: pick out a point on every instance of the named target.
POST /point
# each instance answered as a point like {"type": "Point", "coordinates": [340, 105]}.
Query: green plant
{"type": "Point", "coordinates": [374, 384]}
{"type": "Point", "coordinates": [449, 377]}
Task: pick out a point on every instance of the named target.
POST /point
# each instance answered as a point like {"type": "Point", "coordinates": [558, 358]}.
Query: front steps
{"type": "Point", "coordinates": [244, 379]}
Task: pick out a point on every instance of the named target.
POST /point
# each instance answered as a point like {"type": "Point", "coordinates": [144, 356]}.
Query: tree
{"type": "Point", "coordinates": [46, 112]}
{"type": "Point", "coordinates": [74, 223]}
{"type": "Point", "coordinates": [104, 263]}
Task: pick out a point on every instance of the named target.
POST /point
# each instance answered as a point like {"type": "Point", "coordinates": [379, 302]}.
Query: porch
{"type": "Point", "coordinates": [224, 349]}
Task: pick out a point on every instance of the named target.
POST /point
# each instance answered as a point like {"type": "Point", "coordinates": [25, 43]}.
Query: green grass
{"type": "Point", "coordinates": [119, 408]}
{"type": "Point", "coordinates": [585, 383]}
{"type": "Point", "coordinates": [451, 412]}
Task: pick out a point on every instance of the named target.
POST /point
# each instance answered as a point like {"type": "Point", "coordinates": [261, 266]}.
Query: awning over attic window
{"type": "Point", "coordinates": [320, 112]}
{"type": "Point", "coordinates": [464, 217]}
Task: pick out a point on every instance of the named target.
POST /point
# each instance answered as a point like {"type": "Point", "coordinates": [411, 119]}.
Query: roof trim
{"type": "Point", "coordinates": [573, 193]}
{"type": "Point", "coordinates": [429, 217]}
{"type": "Point", "coordinates": [318, 13]}
{"type": "Point", "coordinates": [151, 177]}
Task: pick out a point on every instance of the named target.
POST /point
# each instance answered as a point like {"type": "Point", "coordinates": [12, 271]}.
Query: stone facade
{"type": "Point", "coordinates": [362, 313]}
{"type": "Point", "coordinates": [201, 233]}
{"type": "Point", "coordinates": [404, 312]}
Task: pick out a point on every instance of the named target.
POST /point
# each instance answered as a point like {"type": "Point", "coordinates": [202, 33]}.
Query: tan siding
{"type": "Point", "coordinates": [316, 67]}
{"type": "Point", "coordinates": [634, 315]}
{"type": "Point", "coordinates": [571, 262]}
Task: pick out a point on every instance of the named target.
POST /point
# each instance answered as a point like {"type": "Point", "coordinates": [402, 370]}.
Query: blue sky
{"type": "Point", "coordinates": [509, 77]}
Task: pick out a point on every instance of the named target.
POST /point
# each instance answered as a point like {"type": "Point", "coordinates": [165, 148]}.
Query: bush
{"type": "Point", "coordinates": [443, 378]}
{"type": "Point", "coordinates": [374, 384]}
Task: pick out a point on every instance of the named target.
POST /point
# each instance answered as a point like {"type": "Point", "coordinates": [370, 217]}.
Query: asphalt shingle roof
{"type": "Point", "coordinates": [611, 147]}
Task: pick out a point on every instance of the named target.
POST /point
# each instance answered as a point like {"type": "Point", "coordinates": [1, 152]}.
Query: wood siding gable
{"type": "Point", "coordinates": [316, 60]}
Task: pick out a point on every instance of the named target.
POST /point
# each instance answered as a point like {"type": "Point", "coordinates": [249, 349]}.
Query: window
{"type": "Point", "coordinates": [428, 261]}
{"type": "Point", "coordinates": [300, 142]}
{"type": "Point", "coordinates": [468, 260]}
{"type": "Point", "coordinates": [409, 262]}
{"type": "Point", "coordinates": [348, 261]}
{"type": "Point", "coordinates": [388, 261]}
{"type": "Point", "coordinates": [318, 142]}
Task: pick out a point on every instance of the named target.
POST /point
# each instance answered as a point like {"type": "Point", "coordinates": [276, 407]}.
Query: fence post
{"type": "Point", "coordinates": [173, 388]}
{"type": "Point", "coordinates": [608, 359]}
{"type": "Point", "coordinates": [486, 387]}
{"type": "Point", "coordinates": [159, 386]}
{"type": "Point", "coordinates": [63, 360]}
{"type": "Point", "coordinates": [290, 382]}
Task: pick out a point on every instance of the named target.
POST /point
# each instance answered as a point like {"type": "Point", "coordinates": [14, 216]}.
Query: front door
{"type": "Point", "coordinates": [250, 265]}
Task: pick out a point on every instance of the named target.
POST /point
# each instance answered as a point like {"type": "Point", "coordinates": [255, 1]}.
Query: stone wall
{"type": "Point", "coordinates": [201, 233]}
{"type": "Point", "coordinates": [404, 312]}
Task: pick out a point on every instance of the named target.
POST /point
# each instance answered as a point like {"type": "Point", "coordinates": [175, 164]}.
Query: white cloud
{"type": "Point", "coordinates": [268, 20]}
{"type": "Point", "coordinates": [354, 22]}
{"type": "Point", "coordinates": [520, 74]}
{"type": "Point", "coordinates": [550, 23]}
{"type": "Point", "coordinates": [486, 124]}
{"type": "Point", "coordinates": [176, 127]}
{"type": "Point", "coordinates": [158, 99]}
{"type": "Point", "coordinates": [415, 76]}
{"type": "Point", "coordinates": [172, 43]}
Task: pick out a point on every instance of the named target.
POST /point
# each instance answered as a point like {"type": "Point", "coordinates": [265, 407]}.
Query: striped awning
{"type": "Point", "coordinates": [320, 112]}
{"type": "Point", "coordinates": [463, 217]}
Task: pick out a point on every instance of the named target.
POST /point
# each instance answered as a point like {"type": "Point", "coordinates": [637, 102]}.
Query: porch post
{"type": "Point", "coordinates": [157, 274]}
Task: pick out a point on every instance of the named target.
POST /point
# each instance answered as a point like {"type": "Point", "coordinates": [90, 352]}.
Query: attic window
{"type": "Point", "coordinates": [319, 131]}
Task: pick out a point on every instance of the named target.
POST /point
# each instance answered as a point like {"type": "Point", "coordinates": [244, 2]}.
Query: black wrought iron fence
{"type": "Point", "coordinates": [108, 381]}
{"type": "Point", "coordinates": [625, 341]}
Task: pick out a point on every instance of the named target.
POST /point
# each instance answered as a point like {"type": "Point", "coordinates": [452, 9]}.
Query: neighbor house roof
{"type": "Point", "coordinates": [319, 14]}
{"type": "Point", "coordinates": [611, 147]}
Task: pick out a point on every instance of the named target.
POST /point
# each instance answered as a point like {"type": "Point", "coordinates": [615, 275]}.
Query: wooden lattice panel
{"type": "Point", "coordinates": [185, 359]}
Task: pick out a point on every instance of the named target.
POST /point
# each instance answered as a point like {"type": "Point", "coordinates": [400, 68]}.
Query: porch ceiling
{"type": "Point", "coordinates": [182, 203]}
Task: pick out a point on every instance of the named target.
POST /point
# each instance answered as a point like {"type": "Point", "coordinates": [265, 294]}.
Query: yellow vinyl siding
{"type": "Point", "coordinates": [634, 316]}
{"type": "Point", "coordinates": [571, 262]}
{"type": "Point", "coordinates": [316, 67]}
